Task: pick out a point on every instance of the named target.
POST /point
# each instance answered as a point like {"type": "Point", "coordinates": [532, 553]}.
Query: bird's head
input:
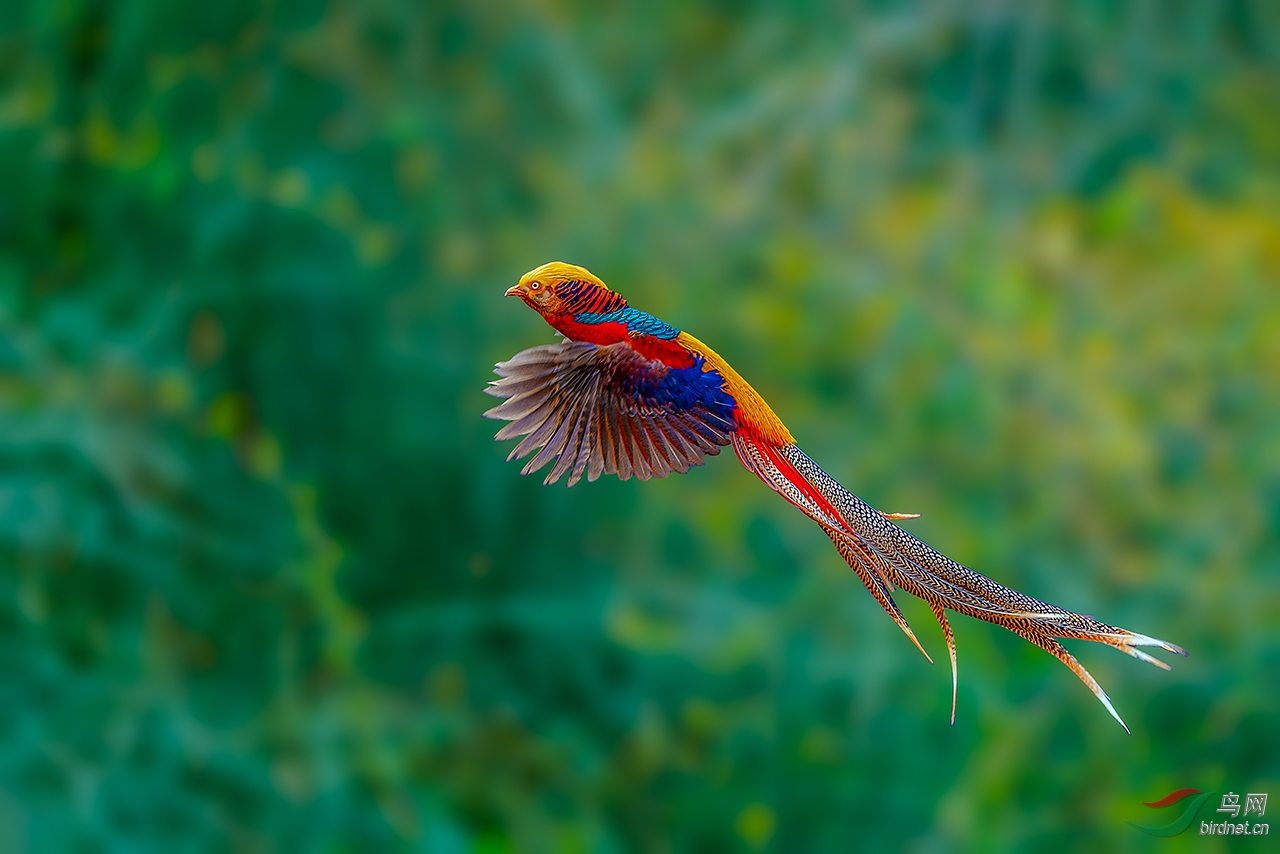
{"type": "Point", "coordinates": [557, 289]}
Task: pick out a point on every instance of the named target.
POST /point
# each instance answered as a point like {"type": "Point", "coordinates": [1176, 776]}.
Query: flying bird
{"type": "Point", "coordinates": [627, 394]}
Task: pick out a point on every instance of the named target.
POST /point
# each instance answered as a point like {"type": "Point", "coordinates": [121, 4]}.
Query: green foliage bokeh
{"type": "Point", "coordinates": [267, 583]}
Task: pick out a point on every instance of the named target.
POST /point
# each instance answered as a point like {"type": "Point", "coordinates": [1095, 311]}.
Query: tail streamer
{"type": "Point", "coordinates": [885, 557]}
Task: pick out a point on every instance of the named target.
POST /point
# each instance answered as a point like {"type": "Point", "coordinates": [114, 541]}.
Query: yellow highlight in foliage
{"type": "Point", "coordinates": [173, 391]}
{"type": "Point", "coordinates": [205, 162]}
{"type": "Point", "coordinates": [125, 150]}
{"type": "Point", "coordinates": [756, 824]}
{"type": "Point", "coordinates": [375, 245]}
{"type": "Point", "coordinates": [263, 457]}
{"type": "Point", "coordinates": [227, 415]}
{"type": "Point", "coordinates": [290, 187]}
{"type": "Point", "coordinates": [634, 629]}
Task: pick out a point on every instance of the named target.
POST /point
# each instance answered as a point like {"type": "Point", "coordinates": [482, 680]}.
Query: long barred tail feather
{"type": "Point", "coordinates": [951, 649]}
{"type": "Point", "coordinates": [877, 585]}
{"type": "Point", "coordinates": [886, 556]}
{"type": "Point", "coordinates": [779, 473]}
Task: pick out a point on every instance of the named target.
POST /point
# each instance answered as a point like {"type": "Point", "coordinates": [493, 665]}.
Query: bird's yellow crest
{"type": "Point", "coordinates": [554, 272]}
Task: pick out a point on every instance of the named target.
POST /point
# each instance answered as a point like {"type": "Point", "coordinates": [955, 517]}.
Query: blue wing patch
{"type": "Point", "coordinates": [636, 321]}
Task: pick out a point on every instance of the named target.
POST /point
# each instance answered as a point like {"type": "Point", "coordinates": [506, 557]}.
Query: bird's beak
{"type": "Point", "coordinates": [513, 291]}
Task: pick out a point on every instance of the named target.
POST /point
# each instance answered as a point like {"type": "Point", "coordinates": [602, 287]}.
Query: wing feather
{"type": "Point", "coordinates": [596, 448]}
{"type": "Point", "coordinates": [685, 451]}
{"type": "Point", "coordinates": [641, 450]}
{"type": "Point", "coordinates": [675, 449]}
{"type": "Point", "coordinates": [659, 461]}
{"type": "Point", "coordinates": [609, 440]}
{"type": "Point", "coordinates": [575, 403]}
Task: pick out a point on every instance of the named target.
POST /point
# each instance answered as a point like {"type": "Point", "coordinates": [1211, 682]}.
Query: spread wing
{"type": "Point", "coordinates": [603, 409]}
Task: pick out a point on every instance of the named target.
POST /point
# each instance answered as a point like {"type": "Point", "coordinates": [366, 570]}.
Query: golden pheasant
{"type": "Point", "coordinates": [625, 393]}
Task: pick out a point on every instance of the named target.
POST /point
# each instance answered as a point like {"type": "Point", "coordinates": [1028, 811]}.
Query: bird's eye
{"type": "Point", "coordinates": [535, 286]}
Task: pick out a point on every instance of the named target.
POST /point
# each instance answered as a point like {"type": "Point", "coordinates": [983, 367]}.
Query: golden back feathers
{"type": "Point", "coordinates": [757, 414]}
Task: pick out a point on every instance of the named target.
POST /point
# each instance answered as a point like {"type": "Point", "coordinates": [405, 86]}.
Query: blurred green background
{"type": "Point", "coordinates": [266, 581]}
